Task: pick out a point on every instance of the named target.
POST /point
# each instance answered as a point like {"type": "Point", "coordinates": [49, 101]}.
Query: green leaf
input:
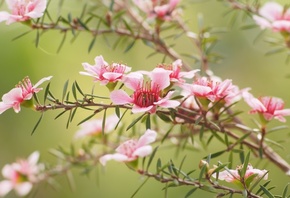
{"type": "Point", "coordinates": [62, 42]}
{"type": "Point", "coordinates": [181, 163]}
{"type": "Point", "coordinates": [216, 154]}
{"type": "Point", "coordinates": [87, 118]}
{"type": "Point", "coordinates": [130, 46]}
{"type": "Point", "coordinates": [285, 191]}
{"type": "Point", "coordinates": [249, 180]}
{"type": "Point", "coordinates": [277, 128]}
{"type": "Point", "coordinates": [74, 92]}
{"type": "Point", "coordinates": [37, 38]}
{"type": "Point", "coordinates": [60, 114]}
{"type": "Point", "coordinates": [245, 165]}
{"type": "Point", "coordinates": [104, 122]}
{"type": "Point", "coordinates": [92, 44]}
{"type": "Point", "coordinates": [190, 192]}
{"type": "Point", "coordinates": [158, 165]}
{"type": "Point", "coordinates": [36, 125]}
{"type": "Point", "coordinates": [148, 122]}
{"type": "Point", "coordinates": [83, 24]}
{"type": "Point", "coordinates": [78, 88]}
{"type": "Point", "coordinates": [208, 188]}
{"type": "Point", "coordinates": [258, 181]}
{"type": "Point", "coordinates": [64, 90]}
{"type": "Point", "coordinates": [135, 121]}
{"type": "Point", "coordinates": [260, 189]}
{"type": "Point", "coordinates": [220, 167]}
{"type": "Point", "coordinates": [163, 117]}
{"type": "Point", "coordinates": [73, 114]}
{"type": "Point", "coordinates": [276, 50]}
{"type": "Point", "coordinates": [151, 158]}
{"type": "Point", "coordinates": [121, 118]}
{"type": "Point", "coordinates": [128, 27]}
{"type": "Point", "coordinates": [140, 187]}
{"type": "Point", "coordinates": [46, 92]}
{"type": "Point", "coordinates": [202, 172]}
{"type": "Point", "coordinates": [166, 134]}
{"type": "Point", "coordinates": [21, 35]}
{"type": "Point", "coordinates": [117, 111]}
{"type": "Point", "coordinates": [267, 192]}
{"type": "Point", "coordinates": [69, 118]}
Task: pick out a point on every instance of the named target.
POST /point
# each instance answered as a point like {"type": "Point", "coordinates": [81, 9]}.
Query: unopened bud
{"type": "Point", "coordinates": [203, 163]}
{"type": "Point", "coordinates": [210, 171]}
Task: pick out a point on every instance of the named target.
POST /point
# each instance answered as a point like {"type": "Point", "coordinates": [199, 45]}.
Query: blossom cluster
{"type": "Point", "coordinates": [21, 175]}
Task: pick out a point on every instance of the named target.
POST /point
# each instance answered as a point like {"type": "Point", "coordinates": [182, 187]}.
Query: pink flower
{"type": "Point", "coordinates": [214, 90]}
{"type": "Point", "coordinates": [233, 175]}
{"type": "Point", "coordinates": [104, 72]}
{"type": "Point", "coordinates": [94, 127]}
{"type": "Point", "coordinates": [23, 10]}
{"type": "Point", "coordinates": [269, 107]}
{"type": "Point", "coordinates": [177, 75]}
{"type": "Point", "coordinates": [21, 175]}
{"type": "Point", "coordinates": [147, 95]}
{"type": "Point", "coordinates": [23, 92]}
{"type": "Point", "coordinates": [273, 16]}
{"type": "Point", "coordinates": [132, 149]}
{"type": "Point", "coordinates": [163, 10]}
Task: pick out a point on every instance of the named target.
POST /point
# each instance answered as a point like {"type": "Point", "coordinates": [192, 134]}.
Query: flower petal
{"type": "Point", "coordinates": [120, 97]}
{"type": "Point", "coordinates": [41, 81]}
{"type": "Point", "coordinates": [160, 77]}
{"type": "Point", "coordinates": [5, 187]}
{"type": "Point", "coordinates": [23, 188]}
{"type": "Point", "coordinates": [117, 157]}
{"type": "Point", "coordinates": [148, 137]}
{"type": "Point", "coordinates": [143, 151]}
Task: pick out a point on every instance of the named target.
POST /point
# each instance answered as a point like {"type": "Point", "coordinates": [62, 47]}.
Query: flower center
{"type": "Point", "coordinates": [128, 148]}
{"type": "Point", "coordinates": [146, 95]}
{"type": "Point", "coordinates": [26, 86]}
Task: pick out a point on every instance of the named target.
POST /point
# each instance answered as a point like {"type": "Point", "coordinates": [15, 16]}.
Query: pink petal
{"type": "Point", "coordinates": [120, 97]}
{"type": "Point", "coordinates": [133, 80]}
{"type": "Point", "coordinates": [23, 188]}
{"type": "Point", "coordinates": [254, 103]}
{"type": "Point", "coordinates": [160, 77]}
{"type": "Point", "coordinates": [262, 22]}
{"type": "Point", "coordinates": [4, 107]}
{"type": "Point", "coordinates": [7, 171]}
{"type": "Point", "coordinates": [271, 11]}
{"type": "Point", "coordinates": [282, 112]}
{"type": "Point", "coordinates": [5, 187]}
{"type": "Point", "coordinates": [11, 3]}
{"type": "Point", "coordinates": [173, 3]}
{"type": "Point", "coordinates": [281, 25]}
{"type": "Point", "coordinates": [99, 61]}
{"type": "Point", "coordinates": [166, 103]}
{"type": "Point", "coordinates": [200, 90]}
{"type": "Point", "coordinates": [111, 76]}
{"type": "Point", "coordinates": [4, 16]}
{"type": "Point", "coordinates": [148, 137]}
{"type": "Point", "coordinates": [189, 74]}
{"type": "Point", "coordinates": [40, 82]}
{"type": "Point", "coordinates": [137, 109]}
{"type": "Point", "coordinates": [91, 70]}
{"type": "Point", "coordinates": [143, 151]}
{"type": "Point", "coordinates": [117, 157]}
{"type": "Point", "coordinates": [33, 158]}
{"type": "Point", "coordinates": [14, 95]}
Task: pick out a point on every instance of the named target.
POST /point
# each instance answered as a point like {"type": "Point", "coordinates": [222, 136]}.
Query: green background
{"type": "Point", "coordinates": [245, 63]}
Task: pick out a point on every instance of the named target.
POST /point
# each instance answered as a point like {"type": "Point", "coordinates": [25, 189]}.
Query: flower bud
{"type": "Point", "coordinates": [203, 163]}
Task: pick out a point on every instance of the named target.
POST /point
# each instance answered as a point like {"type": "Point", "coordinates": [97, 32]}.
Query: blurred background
{"type": "Point", "coordinates": [246, 64]}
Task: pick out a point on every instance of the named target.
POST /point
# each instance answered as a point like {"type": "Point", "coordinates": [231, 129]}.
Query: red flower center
{"type": "Point", "coordinates": [146, 95]}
